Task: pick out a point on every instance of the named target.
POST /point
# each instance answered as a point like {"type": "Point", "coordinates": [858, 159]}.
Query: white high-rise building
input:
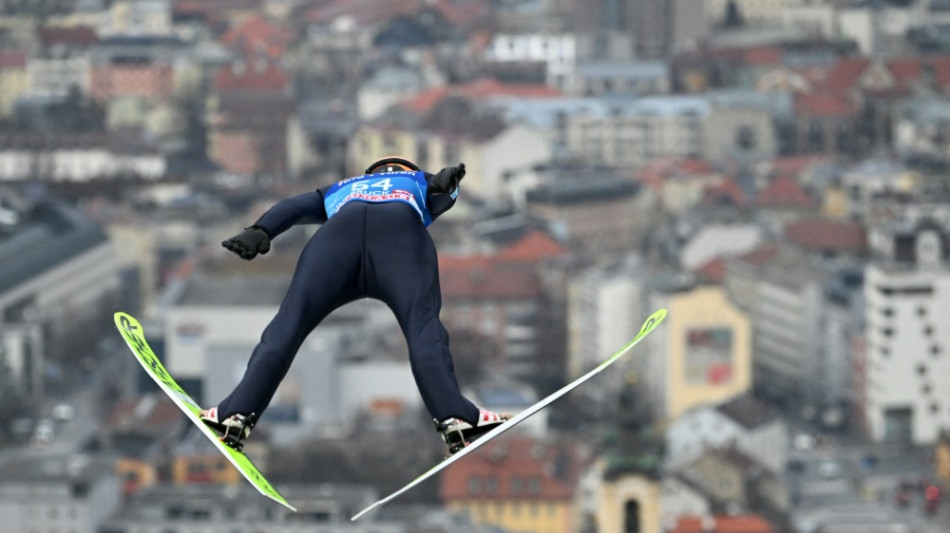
{"type": "Point", "coordinates": [907, 367]}
{"type": "Point", "coordinates": [605, 310]}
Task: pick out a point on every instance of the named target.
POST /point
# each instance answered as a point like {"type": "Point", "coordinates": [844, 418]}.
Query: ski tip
{"type": "Point", "coordinates": [652, 322]}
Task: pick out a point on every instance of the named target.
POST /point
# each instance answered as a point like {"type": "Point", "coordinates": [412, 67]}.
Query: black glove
{"type": "Point", "coordinates": [249, 243]}
{"type": "Point", "coordinates": [447, 179]}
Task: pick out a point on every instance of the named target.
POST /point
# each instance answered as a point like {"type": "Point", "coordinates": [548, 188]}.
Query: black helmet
{"type": "Point", "coordinates": [391, 164]}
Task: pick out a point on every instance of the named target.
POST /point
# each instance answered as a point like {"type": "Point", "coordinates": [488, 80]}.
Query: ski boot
{"type": "Point", "coordinates": [457, 433]}
{"type": "Point", "coordinates": [233, 429]}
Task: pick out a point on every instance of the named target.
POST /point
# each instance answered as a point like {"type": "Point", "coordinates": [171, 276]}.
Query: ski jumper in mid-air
{"type": "Point", "coordinates": [373, 243]}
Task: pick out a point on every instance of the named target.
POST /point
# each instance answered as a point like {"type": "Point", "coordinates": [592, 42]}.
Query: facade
{"type": "Point", "coordinates": [517, 484]}
{"type": "Point", "coordinates": [558, 52]}
{"type": "Point", "coordinates": [209, 508]}
{"type": "Point", "coordinates": [599, 213]}
{"type": "Point", "coordinates": [58, 277]}
{"type": "Point", "coordinates": [631, 134]}
{"type": "Point", "coordinates": [753, 11]}
{"type": "Point", "coordinates": [604, 78]}
{"type": "Point", "coordinates": [753, 427]}
{"type": "Point", "coordinates": [627, 502]}
{"type": "Point", "coordinates": [605, 310]}
{"type": "Point", "coordinates": [702, 355]}
{"type": "Point", "coordinates": [249, 112]}
{"type": "Point", "coordinates": [490, 148]}
{"type": "Point", "coordinates": [14, 80]}
{"type": "Point", "coordinates": [72, 157]}
{"type": "Point", "coordinates": [63, 63]}
{"type": "Point", "coordinates": [906, 389]}
{"type": "Point", "coordinates": [785, 311]}
{"type": "Point", "coordinates": [495, 300]}
{"type": "Point", "coordinates": [57, 493]}
{"type": "Point", "coordinates": [142, 67]}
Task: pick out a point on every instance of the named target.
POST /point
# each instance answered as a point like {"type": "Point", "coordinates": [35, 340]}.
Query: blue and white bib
{"type": "Point", "coordinates": [406, 187]}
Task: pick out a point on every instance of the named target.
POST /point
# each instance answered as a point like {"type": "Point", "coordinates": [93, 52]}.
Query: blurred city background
{"type": "Point", "coordinates": [776, 173]}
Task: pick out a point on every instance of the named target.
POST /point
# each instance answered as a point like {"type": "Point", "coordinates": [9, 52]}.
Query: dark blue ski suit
{"type": "Point", "coordinates": [373, 243]}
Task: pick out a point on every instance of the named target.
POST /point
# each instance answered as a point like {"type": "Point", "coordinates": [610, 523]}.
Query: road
{"type": "Point", "coordinates": [111, 369]}
{"type": "Point", "coordinates": [837, 483]}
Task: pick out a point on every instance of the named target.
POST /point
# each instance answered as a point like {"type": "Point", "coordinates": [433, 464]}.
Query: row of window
{"type": "Point", "coordinates": [533, 509]}
{"type": "Point", "coordinates": [517, 485]}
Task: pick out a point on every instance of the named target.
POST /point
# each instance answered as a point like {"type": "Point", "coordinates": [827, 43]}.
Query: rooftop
{"type": "Point", "coordinates": [38, 234]}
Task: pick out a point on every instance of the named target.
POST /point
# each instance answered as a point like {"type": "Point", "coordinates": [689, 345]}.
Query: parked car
{"type": "Point", "coordinates": [63, 412]}
{"type": "Point", "coordinates": [829, 469]}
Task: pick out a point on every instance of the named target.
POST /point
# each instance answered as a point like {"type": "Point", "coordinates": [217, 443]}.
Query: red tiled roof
{"type": "Point", "coordinates": [257, 34]}
{"type": "Point", "coordinates": [160, 415]}
{"type": "Point", "coordinates": [368, 12]}
{"type": "Point", "coordinates": [519, 467]}
{"type": "Point", "coordinates": [843, 76]}
{"type": "Point", "coordinates": [724, 524]}
{"type": "Point", "coordinates": [75, 36]}
{"type": "Point", "coordinates": [12, 59]}
{"type": "Point", "coordinates": [762, 55]}
{"type": "Point", "coordinates": [481, 278]}
{"type": "Point", "coordinates": [534, 246]}
{"type": "Point", "coordinates": [363, 12]}
{"type": "Point", "coordinates": [827, 234]}
{"type": "Point", "coordinates": [785, 192]}
{"type": "Point", "coordinates": [794, 164]}
{"type": "Point", "coordinates": [823, 105]}
{"type": "Point", "coordinates": [725, 189]}
{"type": "Point", "coordinates": [477, 90]}
{"type": "Point", "coordinates": [761, 256]}
{"type": "Point", "coordinates": [265, 76]}
{"type": "Point", "coordinates": [713, 271]}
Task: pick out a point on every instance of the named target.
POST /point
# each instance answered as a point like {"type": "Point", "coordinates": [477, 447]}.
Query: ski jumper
{"type": "Point", "coordinates": [373, 243]}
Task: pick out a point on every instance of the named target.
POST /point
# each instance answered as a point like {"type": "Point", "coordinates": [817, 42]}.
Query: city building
{"type": "Point", "coordinates": [619, 501]}
{"type": "Point", "coordinates": [702, 354]}
{"type": "Point", "coordinates": [596, 211]}
{"type": "Point", "coordinates": [438, 129]}
{"type": "Point", "coordinates": [78, 157]}
{"type": "Point", "coordinates": [57, 493]}
{"type": "Point", "coordinates": [906, 297]}
{"type": "Point", "coordinates": [751, 426]}
{"type": "Point", "coordinates": [209, 508]}
{"type": "Point", "coordinates": [128, 66]}
{"type": "Point", "coordinates": [58, 278]}
{"type": "Point", "coordinates": [557, 52]}
{"type": "Point", "coordinates": [62, 64]}
{"type": "Point", "coordinates": [516, 483]}
{"type": "Point", "coordinates": [606, 307]}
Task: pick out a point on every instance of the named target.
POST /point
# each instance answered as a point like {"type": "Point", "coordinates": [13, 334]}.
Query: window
{"type": "Point", "coordinates": [534, 486]}
{"type": "Point", "coordinates": [474, 485]}
{"type": "Point", "coordinates": [631, 517]}
{"type": "Point", "coordinates": [491, 485]}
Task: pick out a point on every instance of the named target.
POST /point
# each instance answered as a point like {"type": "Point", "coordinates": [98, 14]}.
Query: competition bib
{"type": "Point", "coordinates": [406, 187]}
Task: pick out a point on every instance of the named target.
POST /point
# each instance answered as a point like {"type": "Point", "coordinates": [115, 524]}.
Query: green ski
{"type": "Point", "coordinates": [134, 336]}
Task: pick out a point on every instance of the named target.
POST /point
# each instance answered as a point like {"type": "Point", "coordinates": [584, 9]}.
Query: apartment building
{"type": "Point", "coordinates": [907, 294]}
{"type": "Point", "coordinates": [702, 355]}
